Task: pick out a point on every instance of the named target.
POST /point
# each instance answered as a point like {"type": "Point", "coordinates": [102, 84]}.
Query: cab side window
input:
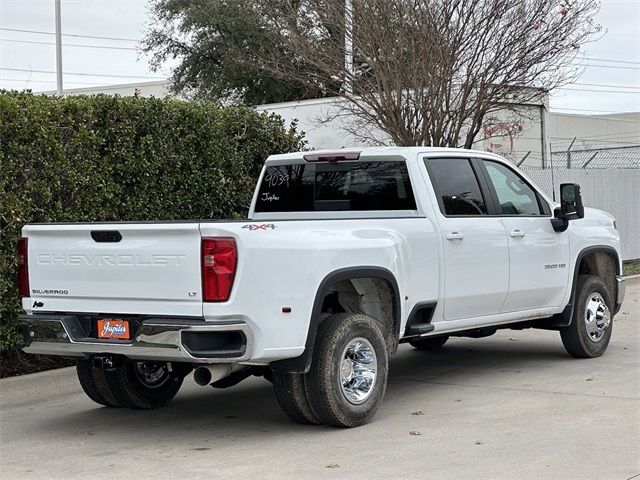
{"type": "Point", "coordinates": [456, 186]}
{"type": "Point", "coordinates": [515, 197]}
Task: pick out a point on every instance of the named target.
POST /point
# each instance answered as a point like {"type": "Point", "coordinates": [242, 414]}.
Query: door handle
{"type": "Point", "coordinates": [455, 236]}
{"type": "Point", "coordinates": [516, 234]}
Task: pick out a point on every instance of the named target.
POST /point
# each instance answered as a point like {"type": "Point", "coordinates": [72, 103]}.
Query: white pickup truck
{"type": "Point", "coordinates": [344, 255]}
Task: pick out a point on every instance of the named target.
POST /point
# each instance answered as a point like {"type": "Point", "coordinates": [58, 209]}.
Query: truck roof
{"type": "Point", "coordinates": [407, 152]}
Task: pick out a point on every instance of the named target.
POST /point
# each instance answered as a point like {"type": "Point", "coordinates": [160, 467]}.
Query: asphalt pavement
{"type": "Point", "coordinates": [510, 406]}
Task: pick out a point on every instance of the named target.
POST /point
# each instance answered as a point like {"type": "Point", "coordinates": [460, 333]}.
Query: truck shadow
{"type": "Point", "coordinates": [462, 359]}
{"type": "Point", "coordinates": [202, 417]}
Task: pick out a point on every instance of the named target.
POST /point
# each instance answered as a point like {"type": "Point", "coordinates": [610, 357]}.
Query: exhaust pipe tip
{"type": "Point", "coordinates": [202, 376]}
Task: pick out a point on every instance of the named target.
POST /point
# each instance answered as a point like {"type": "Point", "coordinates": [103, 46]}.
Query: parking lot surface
{"type": "Point", "coordinates": [512, 406]}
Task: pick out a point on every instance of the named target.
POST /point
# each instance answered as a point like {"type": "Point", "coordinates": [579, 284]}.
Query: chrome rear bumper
{"type": "Point", "coordinates": [155, 339]}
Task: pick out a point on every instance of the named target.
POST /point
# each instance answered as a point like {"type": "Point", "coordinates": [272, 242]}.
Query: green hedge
{"type": "Point", "coordinates": [104, 158]}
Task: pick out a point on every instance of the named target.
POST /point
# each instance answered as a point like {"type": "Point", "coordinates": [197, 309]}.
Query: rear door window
{"type": "Point", "coordinates": [456, 186]}
{"type": "Point", "coordinates": [341, 186]}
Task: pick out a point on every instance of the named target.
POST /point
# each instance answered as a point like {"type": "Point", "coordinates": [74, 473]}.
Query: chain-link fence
{"type": "Point", "coordinates": [593, 158]}
{"type": "Point", "coordinates": [615, 190]}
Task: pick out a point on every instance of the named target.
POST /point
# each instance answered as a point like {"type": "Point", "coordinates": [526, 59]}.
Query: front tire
{"type": "Point", "coordinates": [144, 385]}
{"type": "Point", "coordinates": [589, 334]}
{"type": "Point", "coordinates": [348, 375]}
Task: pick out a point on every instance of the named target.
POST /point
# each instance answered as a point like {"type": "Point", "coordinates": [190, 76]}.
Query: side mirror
{"type": "Point", "coordinates": [571, 207]}
{"type": "Point", "coordinates": [571, 201]}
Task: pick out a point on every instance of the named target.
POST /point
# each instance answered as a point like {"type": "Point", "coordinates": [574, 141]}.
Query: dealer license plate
{"type": "Point", "coordinates": [113, 328]}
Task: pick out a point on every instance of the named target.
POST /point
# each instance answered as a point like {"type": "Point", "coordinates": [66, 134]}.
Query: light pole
{"type": "Point", "coordinates": [58, 48]}
{"type": "Point", "coordinates": [348, 46]}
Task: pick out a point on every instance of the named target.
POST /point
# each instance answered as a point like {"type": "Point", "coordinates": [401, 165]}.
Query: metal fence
{"type": "Point", "coordinates": [615, 190]}
{"type": "Point", "coordinates": [593, 158]}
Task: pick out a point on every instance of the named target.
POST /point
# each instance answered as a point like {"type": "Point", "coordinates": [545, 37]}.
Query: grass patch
{"type": "Point", "coordinates": [631, 267]}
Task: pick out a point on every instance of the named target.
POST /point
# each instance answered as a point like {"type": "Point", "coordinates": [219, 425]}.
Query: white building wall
{"type": "Point", "coordinates": [158, 89]}
{"type": "Point", "coordinates": [593, 131]}
{"type": "Point", "coordinates": [507, 135]}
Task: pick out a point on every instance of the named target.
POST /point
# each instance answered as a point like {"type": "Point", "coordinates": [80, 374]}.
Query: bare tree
{"type": "Point", "coordinates": [429, 72]}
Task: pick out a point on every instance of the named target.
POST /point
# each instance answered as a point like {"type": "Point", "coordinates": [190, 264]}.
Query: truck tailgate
{"type": "Point", "coordinates": [135, 268]}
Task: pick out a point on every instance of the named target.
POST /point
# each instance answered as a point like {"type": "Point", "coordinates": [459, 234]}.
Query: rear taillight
{"type": "Point", "coordinates": [219, 258]}
{"type": "Point", "coordinates": [23, 267]}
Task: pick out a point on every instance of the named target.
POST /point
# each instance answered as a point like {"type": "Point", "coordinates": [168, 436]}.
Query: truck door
{"type": "Point", "coordinates": [538, 256]}
{"type": "Point", "coordinates": [476, 251]}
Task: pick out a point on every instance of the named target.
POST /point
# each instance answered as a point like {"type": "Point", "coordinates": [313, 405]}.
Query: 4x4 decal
{"type": "Point", "coordinates": [260, 226]}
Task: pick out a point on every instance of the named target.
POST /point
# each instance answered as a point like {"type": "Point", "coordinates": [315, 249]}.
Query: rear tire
{"type": "Point", "coordinates": [292, 398]}
{"type": "Point", "coordinates": [348, 375]}
{"type": "Point", "coordinates": [589, 334]}
{"type": "Point", "coordinates": [94, 384]}
{"type": "Point", "coordinates": [144, 385]}
{"type": "Point", "coordinates": [435, 343]}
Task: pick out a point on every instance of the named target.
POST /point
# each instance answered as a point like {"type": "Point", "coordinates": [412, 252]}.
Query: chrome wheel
{"type": "Point", "coordinates": [358, 370]}
{"type": "Point", "coordinates": [597, 317]}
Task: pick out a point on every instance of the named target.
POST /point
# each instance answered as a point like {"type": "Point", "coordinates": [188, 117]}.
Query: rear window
{"type": "Point", "coordinates": [309, 187]}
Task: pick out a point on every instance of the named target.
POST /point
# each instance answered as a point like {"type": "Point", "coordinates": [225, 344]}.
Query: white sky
{"type": "Point", "coordinates": [611, 79]}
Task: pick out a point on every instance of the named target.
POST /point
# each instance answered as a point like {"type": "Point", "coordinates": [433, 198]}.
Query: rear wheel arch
{"type": "Point", "coordinates": [365, 280]}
